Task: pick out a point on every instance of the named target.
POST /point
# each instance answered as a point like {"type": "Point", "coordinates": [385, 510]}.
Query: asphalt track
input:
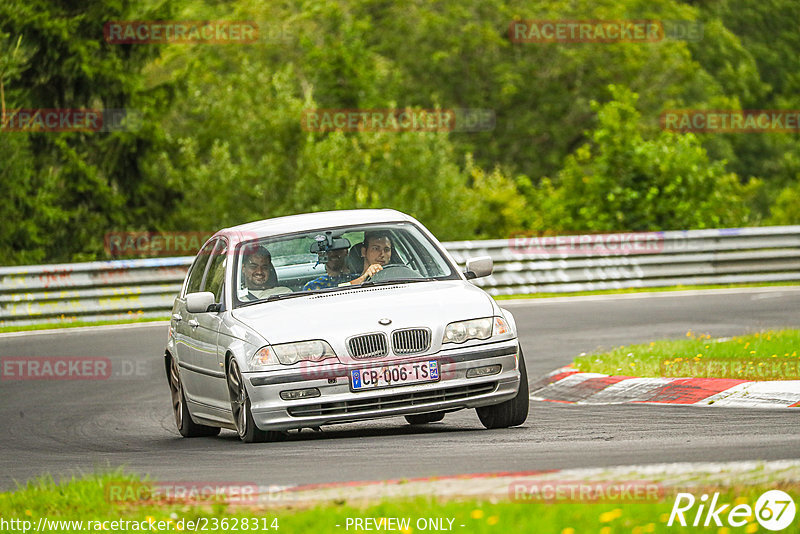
{"type": "Point", "coordinates": [72, 427]}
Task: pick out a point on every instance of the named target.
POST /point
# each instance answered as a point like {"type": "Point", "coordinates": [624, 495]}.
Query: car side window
{"type": "Point", "coordinates": [199, 268]}
{"type": "Point", "coordinates": [216, 271]}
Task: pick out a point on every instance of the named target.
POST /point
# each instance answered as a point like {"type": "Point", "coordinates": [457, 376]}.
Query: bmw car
{"type": "Point", "coordinates": [337, 317]}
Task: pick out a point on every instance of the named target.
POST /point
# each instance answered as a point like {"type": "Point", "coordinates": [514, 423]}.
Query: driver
{"type": "Point", "coordinates": [376, 251]}
{"type": "Point", "coordinates": [259, 275]}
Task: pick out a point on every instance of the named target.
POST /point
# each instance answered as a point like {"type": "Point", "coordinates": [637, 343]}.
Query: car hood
{"type": "Point", "coordinates": [336, 316]}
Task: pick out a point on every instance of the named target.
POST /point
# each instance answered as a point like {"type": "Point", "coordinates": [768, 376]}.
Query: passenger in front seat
{"type": "Point", "coordinates": [259, 275]}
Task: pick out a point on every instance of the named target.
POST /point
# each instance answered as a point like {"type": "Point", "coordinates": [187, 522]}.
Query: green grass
{"type": "Point", "coordinates": [75, 324]}
{"type": "Point", "coordinates": [642, 290]}
{"type": "Point", "coordinates": [770, 355]}
{"type": "Point", "coordinates": [86, 499]}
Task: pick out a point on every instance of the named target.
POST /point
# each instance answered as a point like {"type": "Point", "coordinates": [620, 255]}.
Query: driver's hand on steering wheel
{"type": "Point", "coordinates": [372, 269]}
{"type": "Point", "coordinates": [369, 272]}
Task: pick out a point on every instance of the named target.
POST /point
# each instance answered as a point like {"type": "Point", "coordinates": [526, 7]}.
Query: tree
{"type": "Point", "coordinates": [756, 36]}
{"type": "Point", "coordinates": [621, 181]}
{"type": "Point", "coordinates": [786, 209]}
{"type": "Point", "coordinates": [93, 178]}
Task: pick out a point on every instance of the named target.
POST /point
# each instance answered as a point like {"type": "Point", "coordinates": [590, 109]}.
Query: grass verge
{"type": "Point", "coordinates": [769, 355]}
{"type": "Point", "coordinates": [642, 290]}
{"type": "Point", "coordinates": [77, 324]}
{"type": "Point", "coordinates": [86, 500]}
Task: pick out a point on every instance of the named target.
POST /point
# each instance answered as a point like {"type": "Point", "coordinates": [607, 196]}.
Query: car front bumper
{"type": "Point", "coordinates": [338, 404]}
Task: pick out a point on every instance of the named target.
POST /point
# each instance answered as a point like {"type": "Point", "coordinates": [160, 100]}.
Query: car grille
{"type": "Point", "coordinates": [411, 340]}
{"type": "Point", "coordinates": [388, 402]}
{"type": "Point", "coordinates": [367, 346]}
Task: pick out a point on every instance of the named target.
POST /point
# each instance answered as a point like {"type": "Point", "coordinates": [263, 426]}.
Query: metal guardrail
{"type": "Point", "coordinates": [113, 290]}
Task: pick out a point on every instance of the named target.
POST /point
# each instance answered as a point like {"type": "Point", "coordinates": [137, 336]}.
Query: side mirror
{"type": "Point", "coordinates": [199, 302]}
{"type": "Point", "coordinates": [479, 267]}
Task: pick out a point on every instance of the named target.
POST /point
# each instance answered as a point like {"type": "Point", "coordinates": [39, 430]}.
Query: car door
{"type": "Point", "coordinates": [205, 357]}
{"type": "Point", "coordinates": [184, 331]}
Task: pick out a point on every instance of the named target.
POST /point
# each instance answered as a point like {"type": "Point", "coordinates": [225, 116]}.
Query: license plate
{"type": "Point", "coordinates": [394, 375]}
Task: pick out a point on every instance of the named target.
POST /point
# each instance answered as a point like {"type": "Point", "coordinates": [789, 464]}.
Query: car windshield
{"type": "Point", "coordinates": [336, 259]}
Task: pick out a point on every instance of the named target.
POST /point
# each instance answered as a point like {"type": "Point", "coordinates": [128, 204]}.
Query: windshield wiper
{"type": "Point", "coordinates": [281, 296]}
{"type": "Point", "coordinates": [396, 281]}
{"type": "Point", "coordinates": [244, 304]}
{"type": "Point", "coordinates": [322, 291]}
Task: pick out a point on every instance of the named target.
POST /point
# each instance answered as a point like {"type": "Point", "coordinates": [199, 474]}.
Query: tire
{"type": "Point", "coordinates": [241, 409]}
{"type": "Point", "coordinates": [512, 412]}
{"type": "Point", "coordinates": [183, 419]}
{"type": "Point", "coordinates": [424, 418]}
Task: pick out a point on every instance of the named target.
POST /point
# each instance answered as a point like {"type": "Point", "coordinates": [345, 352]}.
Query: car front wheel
{"type": "Point", "coordinates": [512, 412]}
{"type": "Point", "coordinates": [183, 420]}
{"type": "Point", "coordinates": [240, 406]}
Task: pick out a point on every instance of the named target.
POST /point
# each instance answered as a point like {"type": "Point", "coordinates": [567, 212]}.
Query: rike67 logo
{"type": "Point", "coordinates": [774, 510]}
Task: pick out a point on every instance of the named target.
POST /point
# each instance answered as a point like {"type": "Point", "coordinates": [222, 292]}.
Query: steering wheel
{"type": "Point", "coordinates": [394, 271]}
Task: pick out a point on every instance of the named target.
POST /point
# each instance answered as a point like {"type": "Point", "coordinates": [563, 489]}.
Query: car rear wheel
{"type": "Point", "coordinates": [424, 418]}
{"type": "Point", "coordinates": [183, 419]}
{"type": "Point", "coordinates": [512, 412]}
{"type": "Point", "coordinates": [242, 413]}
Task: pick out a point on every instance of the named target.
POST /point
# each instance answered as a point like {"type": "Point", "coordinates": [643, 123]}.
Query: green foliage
{"type": "Point", "coordinates": [246, 157]}
{"type": "Point", "coordinates": [30, 207]}
{"type": "Point", "coordinates": [767, 29]}
{"type": "Point", "coordinates": [786, 209]}
{"type": "Point", "coordinates": [30, 197]}
{"type": "Point", "coordinates": [623, 181]}
{"type": "Point", "coordinates": [220, 140]}
{"type": "Point", "coordinates": [759, 36]}
{"type": "Point", "coordinates": [72, 187]}
{"type": "Point", "coordinates": [412, 172]}
{"type": "Point", "coordinates": [498, 207]}
{"type": "Point", "coordinates": [461, 57]}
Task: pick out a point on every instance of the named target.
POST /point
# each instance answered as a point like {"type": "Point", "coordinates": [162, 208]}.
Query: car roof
{"type": "Point", "coordinates": [313, 221]}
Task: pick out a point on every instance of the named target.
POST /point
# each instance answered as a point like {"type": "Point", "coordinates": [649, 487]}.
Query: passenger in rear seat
{"type": "Point", "coordinates": [336, 272]}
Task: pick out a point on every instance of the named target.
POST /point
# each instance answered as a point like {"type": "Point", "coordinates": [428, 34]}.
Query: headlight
{"type": "Point", "coordinates": [465, 330]}
{"type": "Point", "coordinates": [291, 353]}
{"type": "Point", "coordinates": [475, 329]}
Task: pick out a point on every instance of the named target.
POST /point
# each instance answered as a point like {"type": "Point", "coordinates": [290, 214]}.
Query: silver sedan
{"type": "Point", "coordinates": [308, 320]}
